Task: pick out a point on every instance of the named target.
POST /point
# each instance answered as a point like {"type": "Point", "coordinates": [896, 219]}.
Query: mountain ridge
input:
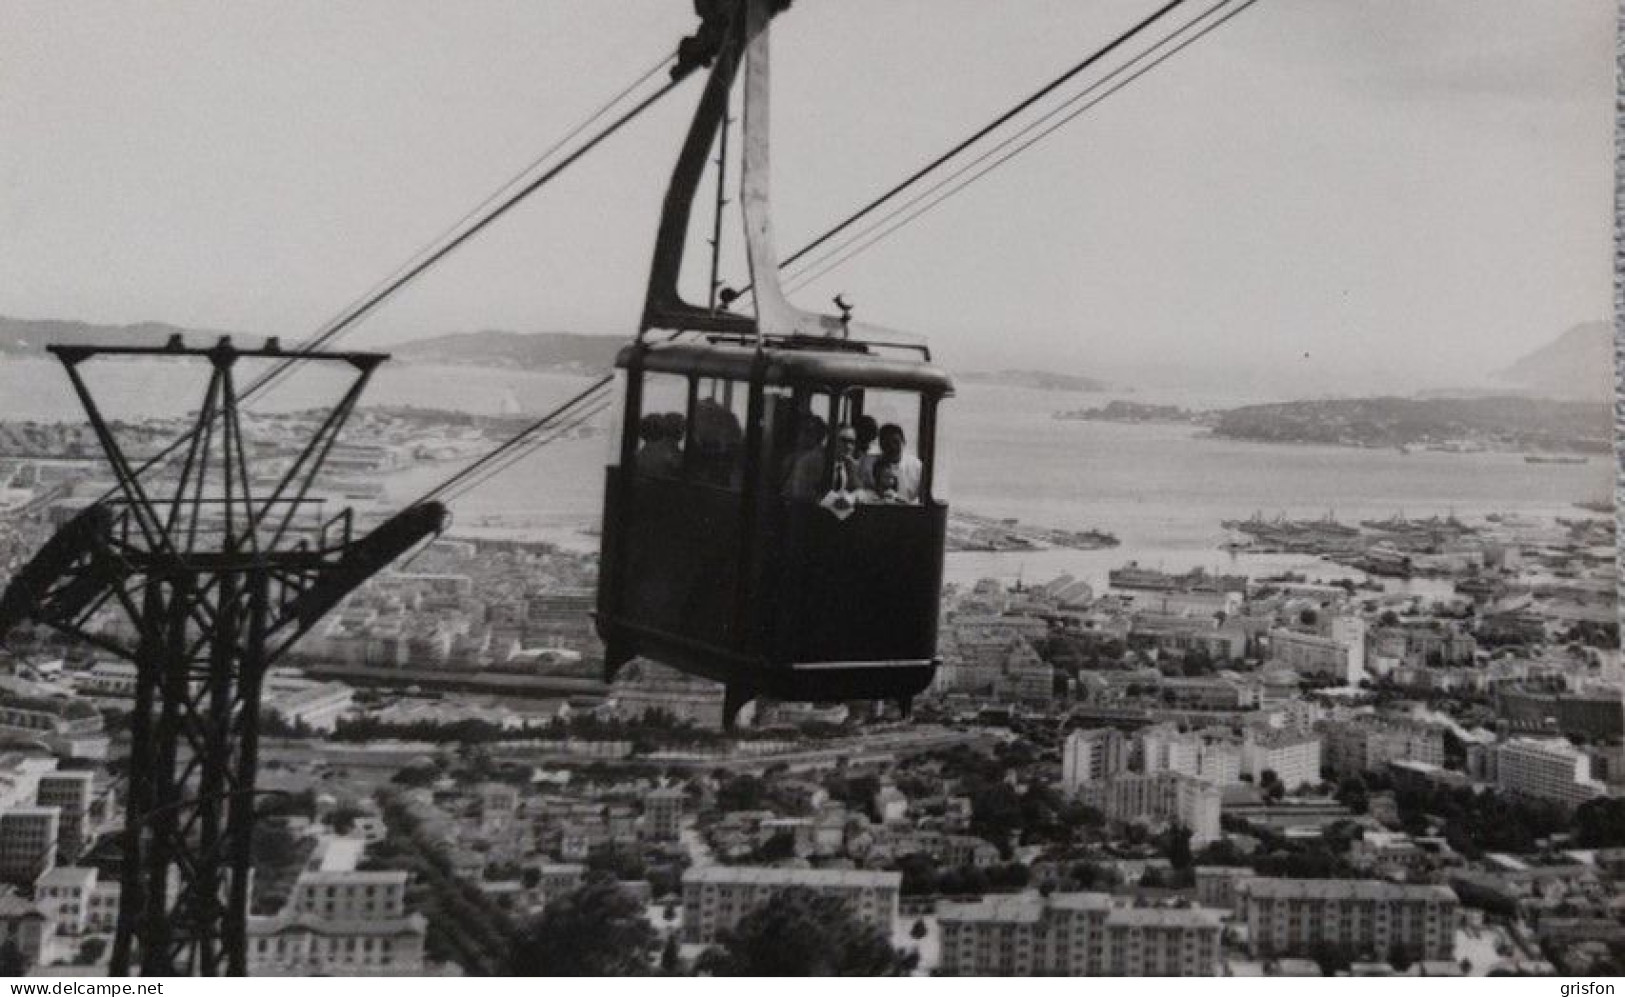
{"type": "Point", "coordinates": [1578, 364]}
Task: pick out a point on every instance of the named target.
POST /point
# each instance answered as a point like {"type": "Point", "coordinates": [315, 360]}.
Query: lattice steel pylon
{"type": "Point", "coordinates": [218, 571]}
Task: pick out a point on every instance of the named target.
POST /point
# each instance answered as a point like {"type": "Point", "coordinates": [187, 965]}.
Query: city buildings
{"type": "Point", "coordinates": [1367, 743]}
{"type": "Point", "coordinates": [24, 925]}
{"type": "Point", "coordinates": [1213, 757]}
{"type": "Point", "coordinates": [340, 922]}
{"type": "Point", "coordinates": [28, 843]}
{"type": "Point", "coordinates": [1076, 934]}
{"type": "Point", "coordinates": [716, 897]}
{"type": "Point", "coordinates": [1337, 657]}
{"type": "Point", "coordinates": [71, 794]}
{"type": "Point", "coordinates": [1160, 798]}
{"type": "Point", "coordinates": [1595, 713]}
{"type": "Point", "coordinates": [1545, 770]}
{"type": "Point", "coordinates": [1092, 756]}
{"type": "Point", "coordinates": [1293, 756]}
{"type": "Point", "coordinates": [1302, 917]}
{"type": "Point", "coordinates": [663, 813]}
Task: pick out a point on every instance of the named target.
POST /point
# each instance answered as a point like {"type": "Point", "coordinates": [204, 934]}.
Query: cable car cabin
{"type": "Point", "coordinates": [748, 539]}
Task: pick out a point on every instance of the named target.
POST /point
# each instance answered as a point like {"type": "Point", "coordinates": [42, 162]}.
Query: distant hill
{"type": "Point", "coordinates": [24, 335]}
{"type": "Point", "coordinates": [526, 351]}
{"type": "Point", "coordinates": [1578, 364]}
{"type": "Point", "coordinates": [1505, 422]}
{"type": "Point", "coordinates": [1041, 379]}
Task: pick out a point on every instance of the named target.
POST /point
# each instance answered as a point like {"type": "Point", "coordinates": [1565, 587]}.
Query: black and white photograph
{"type": "Point", "coordinates": [742, 488]}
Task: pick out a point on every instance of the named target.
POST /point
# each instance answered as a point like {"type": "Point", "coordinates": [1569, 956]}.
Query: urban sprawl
{"type": "Point", "coordinates": [1416, 769]}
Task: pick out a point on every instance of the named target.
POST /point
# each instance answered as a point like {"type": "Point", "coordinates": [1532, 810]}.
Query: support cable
{"type": "Point", "coordinates": [1037, 95]}
{"type": "Point", "coordinates": [494, 206]}
{"type": "Point", "coordinates": [808, 277]}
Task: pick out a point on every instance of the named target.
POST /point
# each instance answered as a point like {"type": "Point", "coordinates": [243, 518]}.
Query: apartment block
{"type": "Point", "coordinates": [1295, 917]}
{"type": "Point", "coordinates": [1076, 934]}
{"type": "Point", "coordinates": [1091, 756]}
{"type": "Point", "coordinates": [716, 897]}
{"type": "Point", "coordinates": [1161, 798]}
{"type": "Point", "coordinates": [1549, 771]}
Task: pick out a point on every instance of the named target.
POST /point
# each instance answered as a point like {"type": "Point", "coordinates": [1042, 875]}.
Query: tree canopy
{"type": "Point", "coordinates": [803, 933]}
{"type": "Point", "coordinates": [595, 930]}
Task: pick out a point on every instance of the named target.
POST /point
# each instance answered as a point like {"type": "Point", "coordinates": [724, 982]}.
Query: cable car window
{"type": "Point", "coordinates": [662, 426]}
{"type": "Point", "coordinates": [802, 452]}
{"type": "Point", "coordinates": [889, 426]}
{"type": "Point", "coordinates": [716, 439]}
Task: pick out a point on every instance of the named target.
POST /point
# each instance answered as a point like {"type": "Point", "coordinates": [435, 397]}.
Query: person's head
{"type": "Point", "coordinates": [846, 441]}
{"type": "Point", "coordinates": [811, 432]}
{"type": "Point", "coordinates": [652, 427]}
{"type": "Point", "coordinates": [867, 429]}
{"type": "Point", "coordinates": [675, 425]}
{"type": "Point", "coordinates": [891, 441]}
{"type": "Point", "coordinates": [885, 477]}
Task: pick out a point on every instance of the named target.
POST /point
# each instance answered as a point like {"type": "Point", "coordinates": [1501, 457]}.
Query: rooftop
{"type": "Point", "coordinates": [774, 876]}
{"type": "Point", "coordinates": [351, 876]}
{"type": "Point", "coordinates": [1346, 889]}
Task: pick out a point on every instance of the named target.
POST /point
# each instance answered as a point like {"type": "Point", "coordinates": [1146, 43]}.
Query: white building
{"type": "Point", "coordinates": [305, 945]}
{"type": "Point", "coordinates": [349, 894]}
{"type": "Point", "coordinates": [1163, 798]}
{"type": "Point", "coordinates": [1211, 758]}
{"type": "Point", "coordinates": [28, 837]}
{"type": "Point", "coordinates": [716, 897]}
{"type": "Point", "coordinates": [1091, 756]}
{"type": "Point", "coordinates": [64, 895]}
{"type": "Point", "coordinates": [1076, 934]}
{"type": "Point", "coordinates": [316, 706]}
{"type": "Point", "coordinates": [1338, 657]}
{"type": "Point", "coordinates": [1295, 917]}
{"type": "Point", "coordinates": [1294, 757]}
{"type": "Point", "coordinates": [1551, 771]}
{"type": "Point", "coordinates": [71, 794]}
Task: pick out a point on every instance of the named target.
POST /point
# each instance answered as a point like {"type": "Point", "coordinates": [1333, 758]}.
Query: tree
{"type": "Point", "coordinates": [91, 951]}
{"type": "Point", "coordinates": [781, 845]}
{"type": "Point", "coordinates": [671, 959]}
{"type": "Point", "coordinates": [743, 792]}
{"type": "Point", "coordinates": [1352, 793]}
{"type": "Point", "coordinates": [1600, 823]}
{"type": "Point", "coordinates": [342, 818]}
{"type": "Point", "coordinates": [1332, 959]}
{"type": "Point", "coordinates": [12, 960]}
{"type": "Point", "coordinates": [803, 933]}
{"type": "Point", "coordinates": [1179, 847]}
{"type": "Point", "coordinates": [596, 930]}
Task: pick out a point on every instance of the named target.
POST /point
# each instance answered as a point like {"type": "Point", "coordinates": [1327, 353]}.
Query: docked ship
{"type": "Point", "coordinates": [1132, 576]}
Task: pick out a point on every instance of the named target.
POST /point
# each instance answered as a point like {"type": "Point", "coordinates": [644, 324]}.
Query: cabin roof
{"type": "Point", "coordinates": [801, 366]}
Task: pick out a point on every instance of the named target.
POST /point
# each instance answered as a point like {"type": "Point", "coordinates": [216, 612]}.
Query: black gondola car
{"type": "Point", "coordinates": [712, 566]}
{"type": "Point", "coordinates": [735, 544]}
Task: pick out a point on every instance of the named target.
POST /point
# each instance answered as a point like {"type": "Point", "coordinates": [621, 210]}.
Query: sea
{"type": "Point", "coordinates": [1162, 489]}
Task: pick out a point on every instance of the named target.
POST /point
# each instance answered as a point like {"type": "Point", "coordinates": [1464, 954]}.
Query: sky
{"type": "Point", "coordinates": [1346, 194]}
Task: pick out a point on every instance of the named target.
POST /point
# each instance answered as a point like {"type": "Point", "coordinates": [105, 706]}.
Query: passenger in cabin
{"type": "Point", "coordinates": [676, 426]}
{"type": "Point", "coordinates": [844, 475]}
{"type": "Point", "coordinates": [867, 430]}
{"type": "Point", "coordinates": [659, 456]}
{"type": "Point", "coordinates": [905, 466]}
{"type": "Point", "coordinates": [718, 442]}
{"type": "Point", "coordinates": [803, 477]}
{"type": "Point", "coordinates": [882, 488]}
